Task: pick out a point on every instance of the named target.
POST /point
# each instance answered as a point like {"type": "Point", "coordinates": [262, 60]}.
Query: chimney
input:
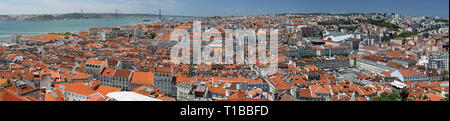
{"type": "Point", "coordinates": [17, 90]}
{"type": "Point", "coordinates": [17, 87]}
{"type": "Point", "coordinates": [330, 53]}
{"type": "Point", "coordinates": [91, 84]}
{"type": "Point", "coordinates": [62, 87]}
{"type": "Point", "coordinates": [42, 98]}
{"type": "Point", "coordinates": [42, 91]}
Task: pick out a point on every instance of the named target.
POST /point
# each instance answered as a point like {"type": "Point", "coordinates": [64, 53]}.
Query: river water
{"type": "Point", "coordinates": [72, 25]}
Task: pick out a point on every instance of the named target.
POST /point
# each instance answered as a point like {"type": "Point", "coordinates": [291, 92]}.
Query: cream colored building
{"type": "Point", "coordinates": [95, 67]}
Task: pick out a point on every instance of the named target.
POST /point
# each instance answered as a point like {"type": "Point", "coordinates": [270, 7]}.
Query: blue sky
{"type": "Point", "coordinates": [227, 7]}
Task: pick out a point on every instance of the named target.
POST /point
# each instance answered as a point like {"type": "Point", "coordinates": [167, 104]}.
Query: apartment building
{"type": "Point", "coordinates": [373, 64]}
{"type": "Point", "coordinates": [439, 62]}
{"type": "Point", "coordinates": [95, 67]}
{"type": "Point", "coordinates": [83, 91]}
{"type": "Point", "coordinates": [141, 79]}
{"type": "Point", "coordinates": [119, 78]}
{"type": "Point", "coordinates": [409, 75]}
{"type": "Point", "coordinates": [163, 80]}
{"type": "Point", "coordinates": [328, 63]}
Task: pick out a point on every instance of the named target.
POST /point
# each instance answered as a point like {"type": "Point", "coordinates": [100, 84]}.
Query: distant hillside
{"type": "Point", "coordinates": [86, 16]}
{"type": "Point", "coordinates": [342, 14]}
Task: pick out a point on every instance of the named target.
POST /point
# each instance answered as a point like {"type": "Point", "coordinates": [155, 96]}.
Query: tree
{"type": "Point", "coordinates": [337, 22]}
{"type": "Point", "coordinates": [152, 35]}
{"type": "Point", "coordinates": [383, 24]}
{"type": "Point", "coordinates": [446, 99]}
{"type": "Point", "coordinates": [320, 34]}
{"type": "Point", "coordinates": [394, 96]}
{"type": "Point", "coordinates": [445, 78]}
{"type": "Point", "coordinates": [343, 54]}
{"type": "Point", "coordinates": [8, 84]}
{"type": "Point", "coordinates": [442, 20]}
{"type": "Point", "coordinates": [308, 56]}
{"type": "Point", "coordinates": [58, 33]}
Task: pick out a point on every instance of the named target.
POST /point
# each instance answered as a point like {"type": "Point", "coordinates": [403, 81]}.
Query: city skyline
{"type": "Point", "coordinates": [225, 8]}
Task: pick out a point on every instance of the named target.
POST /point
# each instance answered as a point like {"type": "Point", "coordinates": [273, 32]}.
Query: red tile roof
{"type": "Point", "coordinates": [305, 93]}
{"type": "Point", "coordinates": [7, 95]}
{"type": "Point", "coordinates": [279, 83]}
{"type": "Point", "coordinates": [237, 95]}
{"type": "Point", "coordinates": [434, 97]}
{"type": "Point", "coordinates": [145, 78]}
{"type": "Point", "coordinates": [47, 37]}
{"type": "Point", "coordinates": [122, 73]}
{"type": "Point", "coordinates": [395, 54]}
{"type": "Point", "coordinates": [79, 88]}
{"type": "Point", "coordinates": [95, 61]}
{"type": "Point", "coordinates": [408, 72]}
{"type": "Point", "coordinates": [55, 95]}
{"type": "Point", "coordinates": [108, 72]}
{"type": "Point", "coordinates": [104, 90]}
{"type": "Point", "coordinates": [317, 89]}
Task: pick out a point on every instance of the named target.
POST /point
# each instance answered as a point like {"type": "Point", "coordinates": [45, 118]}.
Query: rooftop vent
{"type": "Point", "coordinates": [227, 85]}
{"type": "Point", "coordinates": [21, 84]}
{"type": "Point", "coordinates": [149, 90]}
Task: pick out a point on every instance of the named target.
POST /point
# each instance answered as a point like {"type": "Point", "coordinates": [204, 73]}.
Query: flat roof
{"type": "Point", "coordinates": [130, 96]}
{"type": "Point", "coordinates": [398, 84]}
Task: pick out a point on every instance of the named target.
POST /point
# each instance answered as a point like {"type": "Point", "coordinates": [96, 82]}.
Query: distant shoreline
{"type": "Point", "coordinates": [71, 19]}
{"type": "Point", "coordinates": [33, 28]}
{"type": "Point", "coordinates": [70, 16]}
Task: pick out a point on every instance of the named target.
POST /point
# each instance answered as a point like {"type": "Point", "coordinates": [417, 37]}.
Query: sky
{"type": "Point", "coordinates": [227, 7]}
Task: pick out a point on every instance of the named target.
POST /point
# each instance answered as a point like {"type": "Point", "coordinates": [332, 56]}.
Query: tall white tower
{"type": "Point", "coordinates": [103, 36]}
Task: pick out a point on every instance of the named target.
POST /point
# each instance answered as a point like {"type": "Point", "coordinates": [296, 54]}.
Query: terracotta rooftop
{"type": "Point", "coordinates": [79, 88]}
{"type": "Point", "coordinates": [7, 95]}
{"type": "Point", "coordinates": [47, 37]}
{"type": "Point", "coordinates": [145, 78]}
{"type": "Point", "coordinates": [280, 84]}
{"type": "Point", "coordinates": [108, 72]}
{"type": "Point", "coordinates": [104, 90]}
{"type": "Point", "coordinates": [122, 73]}
{"type": "Point", "coordinates": [95, 61]}
{"type": "Point", "coordinates": [395, 54]}
{"type": "Point", "coordinates": [407, 72]}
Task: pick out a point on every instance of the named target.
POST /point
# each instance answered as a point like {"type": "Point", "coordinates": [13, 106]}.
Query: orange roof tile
{"type": "Point", "coordinates": [7, 95]}
{"type": "Point", "coordinates": [279, 83]}
{"type": "Point", "coordinates": [108, 72]}
{"type": "Point", "coordinates": [96, 99]}
{"type": "Point", "coordinates": [434, 97]}
{"type": "Point", "coordinates": [319, 89]}
{"type": "Point", "coordinates": [145, 78]}
{"type": "Point", "coordinates": [238, 95]}
{"type": "Point", "coordinates": [55, 95]}
{"type": "Point", "coordinates": [395, 54]}
{"type": "Point", "coordinates": [3, 81]}
{"type": "Point", "coordinates": [47, 37]}
{"type": "Point", "coordinates": [95, 61]}
{"type": "Point", "coordinates": [79, 88]}
{"type": "Point", "coordinates": [104, 90]}
{"type": "Point", "coordinates": [407, 72]}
